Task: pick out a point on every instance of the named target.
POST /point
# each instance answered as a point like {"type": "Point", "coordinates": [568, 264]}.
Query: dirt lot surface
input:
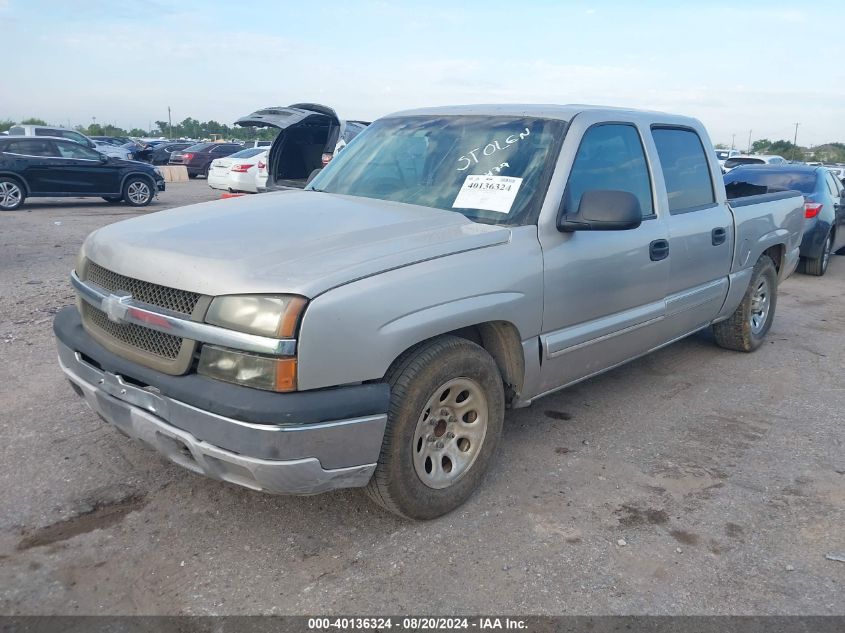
{"type": "Point", "coordinates": [695, 480]}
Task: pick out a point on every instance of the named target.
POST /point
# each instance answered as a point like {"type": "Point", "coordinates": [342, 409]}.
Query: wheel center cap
{"type": "Point", "coordinates": [440, 428]}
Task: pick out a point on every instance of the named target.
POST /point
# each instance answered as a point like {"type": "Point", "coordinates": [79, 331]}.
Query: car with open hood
{"type": "Point", "coordinates": [310, 135]}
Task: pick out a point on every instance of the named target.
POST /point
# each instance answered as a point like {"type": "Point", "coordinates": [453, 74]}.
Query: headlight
{"type": "Point", "coordinates": [276, 317]}
{"type": "Point", "coordinates": [258, 372]}
{"type": "Point", "coordinates": [158, 171]}
{"type": "Point", "coordinates": [130, 156]}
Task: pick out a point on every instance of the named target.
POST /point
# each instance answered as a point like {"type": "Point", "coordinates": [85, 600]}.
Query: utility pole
{"type": "Point", "coordinates": [169, 124]}
{"type": "Point", "coordinates": [733, 141]}
{"type": "Point", "coordinates": [795, 142]}
{"type": "Point", "coordinates": [749, 141]}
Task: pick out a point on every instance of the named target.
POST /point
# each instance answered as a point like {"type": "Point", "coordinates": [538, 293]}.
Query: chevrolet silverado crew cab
{"type": "Point", "coordinates": [372, 329]}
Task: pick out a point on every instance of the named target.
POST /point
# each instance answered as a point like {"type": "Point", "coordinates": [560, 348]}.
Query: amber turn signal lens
{"type": "Point", "coordinates": [286, 374]}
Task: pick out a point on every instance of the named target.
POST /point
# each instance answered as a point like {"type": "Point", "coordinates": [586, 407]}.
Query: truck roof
{"type": "Point", "coordinates": [547, 111]}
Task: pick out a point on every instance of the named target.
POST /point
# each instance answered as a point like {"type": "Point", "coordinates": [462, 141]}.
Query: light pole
{"type": "Point", "coordinates": [169, 124]}
{"type": "Point", "coordinates": [733, 141]}
{"type": "Point", "coordinates": [795, 142]}
{"type": "Point", "coordinates": [749, 141]}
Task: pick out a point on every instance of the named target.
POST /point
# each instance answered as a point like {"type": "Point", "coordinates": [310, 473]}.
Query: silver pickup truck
{"type": "Point", "coordinates": [450, 263]}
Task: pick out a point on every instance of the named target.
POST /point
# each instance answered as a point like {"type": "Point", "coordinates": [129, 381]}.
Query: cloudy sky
{"type": "Point", "coordinates": [736, 65]}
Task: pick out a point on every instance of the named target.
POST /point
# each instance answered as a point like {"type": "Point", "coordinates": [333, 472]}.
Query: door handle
{"type": "Point", "coordinates": [658, 249]}
{"type": "Point", "coordinates": [718, 235]}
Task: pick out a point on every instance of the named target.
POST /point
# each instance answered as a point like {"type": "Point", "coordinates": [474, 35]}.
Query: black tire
{"type": "Point", "coordinates": [417, 377]}
{"type": "Point", "coordinates": [817, 266]}
{"type": "Point", "coordinates": [138, 191]}
{"type": "Point", "coordinates": [113, 199]}
{"type": "Point", "coordinates": [12, 193]}
{"type": "Point", "coordinates": [191, 176]}
{"type": "Point", "coordinates": [737, 332]}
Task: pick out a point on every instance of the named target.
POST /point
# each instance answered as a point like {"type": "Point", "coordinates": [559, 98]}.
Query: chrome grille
{"type": "Point", "coordinates": [159, 344]}
{"type": "Point", "coordinates": [170, 298]}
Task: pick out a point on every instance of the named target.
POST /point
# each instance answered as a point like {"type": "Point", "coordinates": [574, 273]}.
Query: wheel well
{"type": "Point", "coordinates": [502, 341]}
{"type": "Point", "coordinates": [140, 174]}
{"type": "Point", "coordinates": [17, 178]}
{"type": "Point", "coordinates": [776, 254]}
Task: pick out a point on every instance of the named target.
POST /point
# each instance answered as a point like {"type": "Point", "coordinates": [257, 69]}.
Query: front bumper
{"type": "Point", "coordinates": [284, 456]}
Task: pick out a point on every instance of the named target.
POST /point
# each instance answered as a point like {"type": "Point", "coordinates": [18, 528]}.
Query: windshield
{"type": "Point", "coordinates": [248, 153]}
{"type": "Point", "coordinates": [491, 169]}
{"type": "Point", "coordinates": [733, 162]}
{"type": "Point", "coordinates": [751, 181]}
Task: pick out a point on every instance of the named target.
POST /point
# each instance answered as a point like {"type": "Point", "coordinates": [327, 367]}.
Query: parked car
{"type": "Point", "coordinates": [113, 150]}
{"type": "Point", "coordinates": [824, 205]}
{"type": "Point", "coordinates": [264, 144]}
{"type": "Point", "coordinates": [310, 136]}
{"type": "Point", "coordinates": [49, 130]}
{"type": "Point", "coordinates": [197, 158]}
{"type": "Point", "coordinates": [114, 140]}
{"type": "Point", "coordinates": [753, 159]}
{"type": "Point", "coordinates": [724, 154]}
{"type": "Point", "coordinates": [238, 171]}
{"type": "Point", "coordinates": [161, 152]}
{"type": "Point", "coordinates": [838, 171]}
{"type": "Point", "coordinates": [372, 329]}
{"type": "Point", "coordinates": [56, 167]}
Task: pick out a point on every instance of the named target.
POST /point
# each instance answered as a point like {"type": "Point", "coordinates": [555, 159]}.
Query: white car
{"type": "Point", "coordinates": [238, 171]}
{"type": "Point", "coordinates": [754, 159]}
{"type": "Point", "coordinates": [724, 154]}
{"type": "Point", "coordinates": [113, 150]}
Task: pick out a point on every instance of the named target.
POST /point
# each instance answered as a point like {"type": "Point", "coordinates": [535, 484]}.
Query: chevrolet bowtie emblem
{"type": "Point", "coordinates": [116, 306]}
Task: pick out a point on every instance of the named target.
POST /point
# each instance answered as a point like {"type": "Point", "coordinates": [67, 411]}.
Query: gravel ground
{"type": "Point", "coordinates": [693, 481]}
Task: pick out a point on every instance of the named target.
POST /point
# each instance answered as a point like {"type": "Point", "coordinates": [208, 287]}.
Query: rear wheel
{"type": "Point", "coordinates": [746, 328]}
{"type": "Point", "coordinates": [818, 265]}
{"type": "Point", "coordinates": [11, 194]}
{"type": "Point", "coordinates": [191, 176]}
{"type": "Point", "coordinates": [137, 192]}
{"type": "Point", "coordinates": [446, 412]}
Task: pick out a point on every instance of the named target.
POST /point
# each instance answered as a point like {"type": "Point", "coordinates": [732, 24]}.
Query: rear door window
{"type": "Point", "coordinates": [685, 169]}
{"type": "Point", "coordinates": [610, 157]}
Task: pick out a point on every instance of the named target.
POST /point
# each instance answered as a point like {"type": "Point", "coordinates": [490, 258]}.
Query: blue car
{"type": "Point", "coordinates": [824, 205]}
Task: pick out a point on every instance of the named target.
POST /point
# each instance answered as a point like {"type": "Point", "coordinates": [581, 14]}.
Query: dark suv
{"type": "Point", "coordinates": [43, 166]}
{"type": "Point", "coordinates": [197, 158]}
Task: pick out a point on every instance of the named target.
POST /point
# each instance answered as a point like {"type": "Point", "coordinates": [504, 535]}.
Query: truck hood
{"type": "Point", "coordinates": [299, 242]}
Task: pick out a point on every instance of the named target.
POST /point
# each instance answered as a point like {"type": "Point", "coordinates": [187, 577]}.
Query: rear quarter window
{"type": "Point", "coordinates": [686, 171]}
{"type": "Point", "coordinates": [29, 148]}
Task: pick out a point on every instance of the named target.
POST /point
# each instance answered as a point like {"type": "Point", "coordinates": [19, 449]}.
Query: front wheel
{"type": "Point", "coordinates": [445, 419]}
{"type": "Point", "coordinates": [11, 194]}
{"type": "Point", "coordinates": [818, 265]}
{"type": "Point", "coordinates": [137, 192]}
{"type": "Point", "coordinates": [746, 328]}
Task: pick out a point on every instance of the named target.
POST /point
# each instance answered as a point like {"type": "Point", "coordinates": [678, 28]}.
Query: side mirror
{"type": "Point", "coordinates": [602, 210]}
{"type": "Point", "coordinates": [104, 159]}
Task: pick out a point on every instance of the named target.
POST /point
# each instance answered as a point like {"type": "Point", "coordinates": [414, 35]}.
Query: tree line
{"type": "Point", "coordinates": [826, 153]}
{"type": "Point", "coordinates": [189, 128]}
